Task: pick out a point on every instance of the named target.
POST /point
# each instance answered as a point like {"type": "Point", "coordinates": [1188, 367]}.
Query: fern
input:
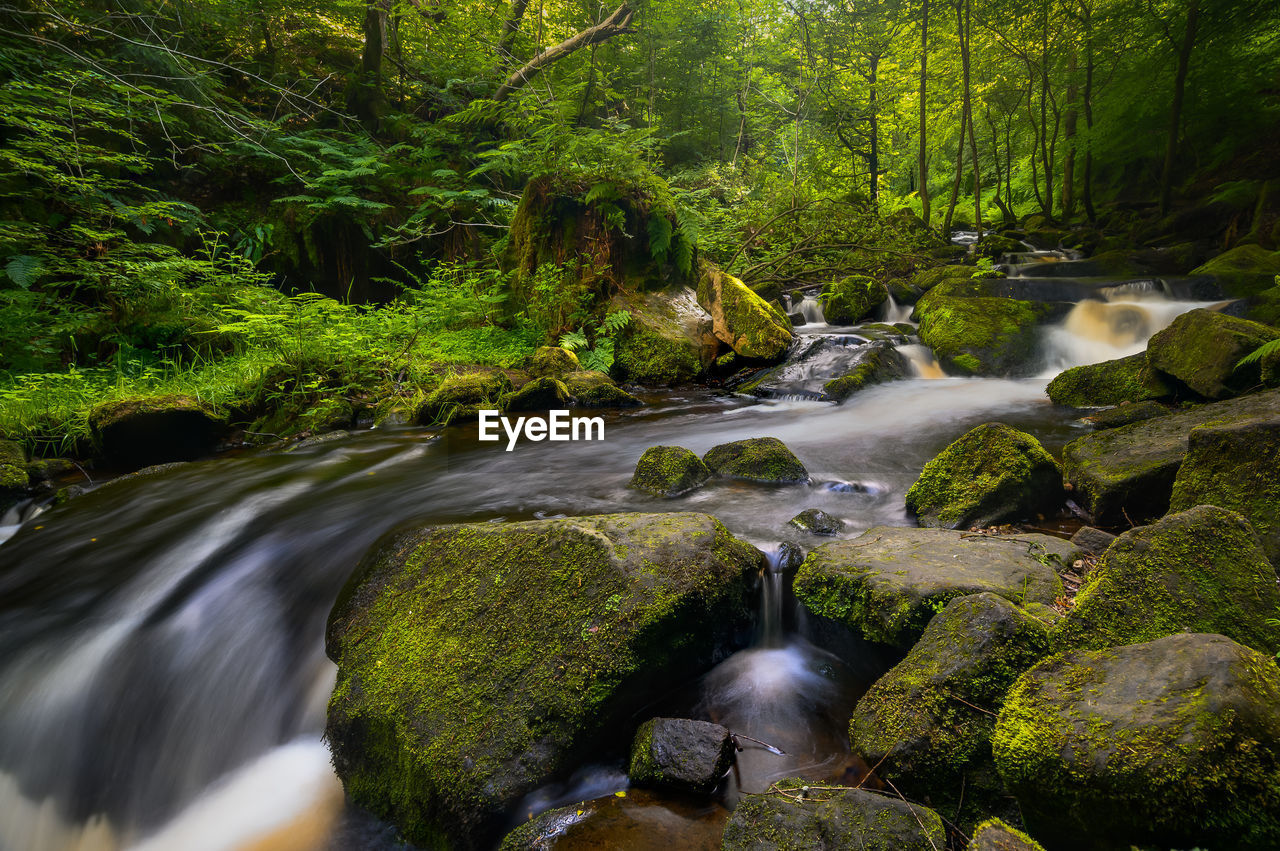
{"type": "Point", "coordinates": [573, 340]}
{"type": "Point", "coordinates": [600, 358]}
{"type": "Point", "coordinates": [1259, 353]}
{"type": "Point", "coordinates": [615, 322]}
{"type": "Point", "coordinates": [659, 237]}
{"type": "Point", "coordinates": [604, 191]}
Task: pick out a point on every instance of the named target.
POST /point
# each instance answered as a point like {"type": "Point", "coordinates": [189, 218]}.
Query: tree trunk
{"type": "Point", "coordinates": [923, 158]}
{"type": "Point", "coordinates": [964, 121]}
{"type": "Point", "coordinates": [968, 111]}
{"type": "Point", "coordinates": [1068, 194]}
{"type": "Point", "coordinates": [873, 159]}
{"type": "Point", "coordinates": [1175, 111]}
{"type": "Point", "coordinates": [618, 23]}
{"type": "Point", "coordinates": [511, 26]}
{"type": "Point", "coordinates": [1087, 17]}
{"type": "Point", "coordinates": [1045, 159]}
{"type": "Point", "coordinates": [366, 98]}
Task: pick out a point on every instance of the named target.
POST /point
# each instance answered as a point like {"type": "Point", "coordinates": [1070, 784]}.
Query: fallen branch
{"type": "Point", "coordinates": [618, 23]}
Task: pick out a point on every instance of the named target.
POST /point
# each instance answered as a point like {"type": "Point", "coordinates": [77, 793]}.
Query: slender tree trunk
{"type": "Point", "coordinates": [1175, 111]}
{"type": "Point", "coordinates": [268, 46]}
{"type": "Point", "coordinates": [964, 121]}
{"type": "Point", "coordinates": [366, 98]}
{"type": "Point", "coordinates": [873, 159]}
{"type": "Point", "coordinates": [923, 157]}
{"type": "Point", "coordinates": [1068, 194]}
{"type": "Point", "coordinates": [1087, 195]}
{"type": "Point", "coordinates": [511, 26]}
{"type": "Point", "coordinates": [968, 111]}
{"type": "Point", "coordinates": [1045, 158]}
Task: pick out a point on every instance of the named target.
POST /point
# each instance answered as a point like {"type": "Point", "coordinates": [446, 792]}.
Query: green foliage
{"type": "Point", "coordinates": [597, 355]}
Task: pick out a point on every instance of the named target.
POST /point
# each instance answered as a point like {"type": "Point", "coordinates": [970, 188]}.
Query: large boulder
{"type": "Point", "coordinates": [981, 336]}
{"type": "Point", "coordinates": [664, 341]}
{"type": "Point", "coordinates": [479, 662]}
{"type": "Point", "coordinates": [680, 754]}
{"type": "Point", "coordinates": [1244, 270]}
{"type": "Point", "coordinates": [460, 397]}
{"type": "Point", "coordinates": [1236, 465]}
{"type": "Point", "coordinates": [995, 835]}
{"type": "Point", "coordinates": [757, 459]}
{"type": "Point", "coordinates": [1113, 382]}
{"type": "Point", "coordinates": [669, 471]}
{"type": "Point", "coordinates": [1200, 570]}
{"type": "Point", "coordinates": [1201, 349]}
{"type": "Point", "coordinates": [1171, 743]}
{"type": "Point", "coordinates": [540, 394]}
{"type": "Point", "coordinates": [992, 474]}
{"type": "Point", "coordinates": [852, 299]}
{"type": "Point", "coordinates": [886, 584]}
{"type": "Point", "coordinates": [1125, 475]}
{"type": "Point", "coordinates": [877, 363]}
{"type": "Point", "coordinates": [927, 723]}
{"type": "Point", "coordinates": [787, 819]}
{"type": "Point", "coordinates": [141, 431]}
{"type": "Point", "coordinates": [744, 321]}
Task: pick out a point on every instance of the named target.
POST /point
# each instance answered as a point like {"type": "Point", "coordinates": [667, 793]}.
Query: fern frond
{"type": "Point", "coordinates": [1259, 353]}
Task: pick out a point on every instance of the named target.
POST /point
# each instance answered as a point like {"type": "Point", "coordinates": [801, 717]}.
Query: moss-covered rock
{"type": "Point", "coordinates": [852, 299]}
{"type": "Point", "coordinates": [1113, 382]}
{"type": "Point", "coordinates": [661, 344]}
{"type": "Point", "coordinates": [742, 320]}
{"type": "Point", "coordinates": [981, 336]}
{"type": "Point", "coordinates": [680, 754]}
{"type": "Point", "coordinates": [926, 279]}
{"type": "Point", "coordinates": [886, 584]}
{"type": "Point", "coordinates": [552, 362]}
{"type": "Point", "coordinates": [591, 389]}
{"type": "Point", "coordinates": [998, 245]}
{"type": "Point", "coordinates": [1125, 475]}
{"type": "Point", "coordinates": [540, 394]}
{"type": "Point", "coordinates": [1171, 743]}
{"type": "Point", "coordinates": [1128, 414]}
{"type": "Point", "coordinates": [478, 662]}
{"type": "Point", "coordinates": [757, 459]}
{"type": "Point", "coordinates": [1199, 570]}
{"type": "Point", "coordinates": [995, 835]}
{"type": "Point", "coordinates": [817, 522]}
{"type": "Point", "coordinates": [1243, 271]}
{"type": "Point", "coordinates": [992, 474]}
{"type": "Point", "coordinates": [879, 362]}
{"type": "Point", "coordinates": [787, 819]}
{"type": "Point", "coordinates": [13, 468]}
{"type": "Point", "coordinates": [140, 431]}
{"type": "Point", "coordinates": [1201, 349]}
{"type": "Point", "coordinates": [669, 471]}
{"type": "Point", "coordinates": [927, 723]}
{"type": "Point", "coordinates": [461, 396]}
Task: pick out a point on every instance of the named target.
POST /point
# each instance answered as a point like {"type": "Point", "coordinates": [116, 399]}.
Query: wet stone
{"type": "Point", "coordinates": [817, 522]}
{"type": "Point", "coordinates": [1092, 541]}
{"type": "Point", "coordinates": [680, 754]}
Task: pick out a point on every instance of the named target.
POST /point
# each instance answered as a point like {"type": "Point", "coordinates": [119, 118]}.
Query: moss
{"type": "Point", "coordinates": [1128, 379]}
{"type": "Point", "coordinates": [1167, 743]}
{"type": "Point", "coordinates": [1128, 414]}
{"type": "Point", "coordinates": [669, 471]}
{"type": "Point", "coordinates": [987, 336]}
{"type": "Point", "coordinates": [757, 459]}
{"type": "Point", "coordinates": [852, 299]}
{"type": "Point", "coordinates": [992, 474]}
{"type": "Point", "coordinates": [143, 430]}
{"type": "Point", "coordinates": [655, 348]}
{"type": "Point", "coordinates": [476, 662]}
{"type": "Point", "coordinates": [1201, 349]}
{"type": "Point", "coordinates": [461, 396]}
{"type": "Point", "coordinates": [541, 394]}
{"type": "Point", "coordinates": [880, 363]}
{"type": "Point", "coordinates": [744, 321]}
{"type": "Point", "coordinates": [927, 279]}
{"type": "Point", "coordinates": [995, 835]}
{"type": "Point", "coordinates": [816, 521]}
{"type": "Point", "coordinates": [1245, 270]}
{"type": "Point", "coordinates": [13, 467]}
{"type": "Point", "coordinates": [552, 361]}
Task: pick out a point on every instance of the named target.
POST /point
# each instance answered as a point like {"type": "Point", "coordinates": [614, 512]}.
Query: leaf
{"type": "Point", "coordinates": [604, 191]}
{"type": "Point", "coordinates": [1259, 353]}
{"type": "Point", "coordinates": [573, 340]}
{"type": "Point", "coordinates": [24, 270]}
{"type": "Point", "coordinates": [660, 231]}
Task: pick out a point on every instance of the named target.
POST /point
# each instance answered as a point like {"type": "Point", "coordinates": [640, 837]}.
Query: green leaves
{"type": "Point", "coordinates": [24, 270]}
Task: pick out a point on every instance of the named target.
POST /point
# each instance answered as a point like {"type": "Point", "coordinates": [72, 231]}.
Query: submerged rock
{"type": "Point", "coordinates": [981, 336]}
{"type": "Point", "coordinates": [744, 321]}
{"type": "Point", "coordinates": [142, 431]}
{"type": "Point", "coordinates": [1125, 475]}
{"type": "Point", "coordinates": [995, 835]}
{"type": "Point", "coordinates": [1237, 466]}
{"type": "Point", "coordinates": [787, 819]}
{"type": "Point", "coordinates": [852, 299]}
{"type": "Point", "coordinates": [886, 584]}
{"type": "Point", "coordinates": [680, 754]}
{"type": "Point", "coordinates": [669, 471]}
{"type": "Point", "coordinates": [992, 474]}
{"type": "Point", "coordinates": [540, 394]}
{"type": "Point", "coordinates": [927, 723]}
{"type": "Point", "coordinates": [553, 362]}
{"type": "Point", "coordinates": [478, 662]}
{"type": "Point", "coordinates": [1200, 570]}
{"type": "Point", "coordinates": [817, 521]}
{"type": "Point", "coordinates": [1171, 743]}
{"type": "Point", "coordinates": [1114, 382]}
{"type": "Point", "coordinates": [757, 459]}
{"type": "Point", "coordinates": [1201, 349]}
{"type": "Point", "coordinates": [460, 397]}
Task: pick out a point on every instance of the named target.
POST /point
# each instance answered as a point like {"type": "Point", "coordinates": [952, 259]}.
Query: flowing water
{"type": "Point", "coordinates": [164, 683]}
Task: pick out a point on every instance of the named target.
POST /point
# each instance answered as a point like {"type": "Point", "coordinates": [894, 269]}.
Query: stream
{"type": "Point", "coordinates": [164, 681]}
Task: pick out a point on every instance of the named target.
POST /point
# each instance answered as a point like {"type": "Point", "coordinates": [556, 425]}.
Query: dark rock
{"type": "Point", "coordinates": [460, 397]}
{"type": "Point", "coordinates": [995, 835]}
{"type": "Point", "coordinates": [145, 430]}
{"type": "Point", "coordinates": [1201, 349]}
{"type": "Point", "coordinates": [669, 471]}
{"type": "Point", "coordinates": [852, 299]}
{"type": "Point", "coordinates": [541, 394]}
{"type": "Point", "coordinates": [785, 819]}
{"type": "Point", "coordinates": [1200, 570]}
{"type": "Point", "coordinates": [1125, 475]}
{"type": "Point", "coordinates": [1123, 415]}
{"type": "Point", "coordinates": [927, 723]}
{"type": "Point", "coordinates": [886, 584]}
{"type": "Point", "coordinates": [756, 459]}
{"type": "Point", "coordinates": [1128, 379]}
{"type": "Point", "coordinates": [1092, 541]}
{"type": "Point", "coordinates": [52, 469]}
{"type": "Point", "coordinates": [817, 521]}
{"type": "Point", "coordinates": [1236, 465]}
{"type": "Point", "coordinates": [597, 390]}
{"type": "Point", "coordinates": [1171, 743]}
{"type": "Point", "coordinates": [478, 662]}
{"type": "Point", "coordinates": [992, 474]}
{"type": "Point", "coordinates": [680, 754]}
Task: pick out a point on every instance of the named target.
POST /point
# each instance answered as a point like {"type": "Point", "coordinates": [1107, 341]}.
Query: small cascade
{"type": "Point", "coordinates": [811, 308]}
{"type": "Point", "coordinates": [922, 362]}
{"type": "Point", "coordinates": [1096, 331]}
{"type": "Point", "coordinates": [895, 313]}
